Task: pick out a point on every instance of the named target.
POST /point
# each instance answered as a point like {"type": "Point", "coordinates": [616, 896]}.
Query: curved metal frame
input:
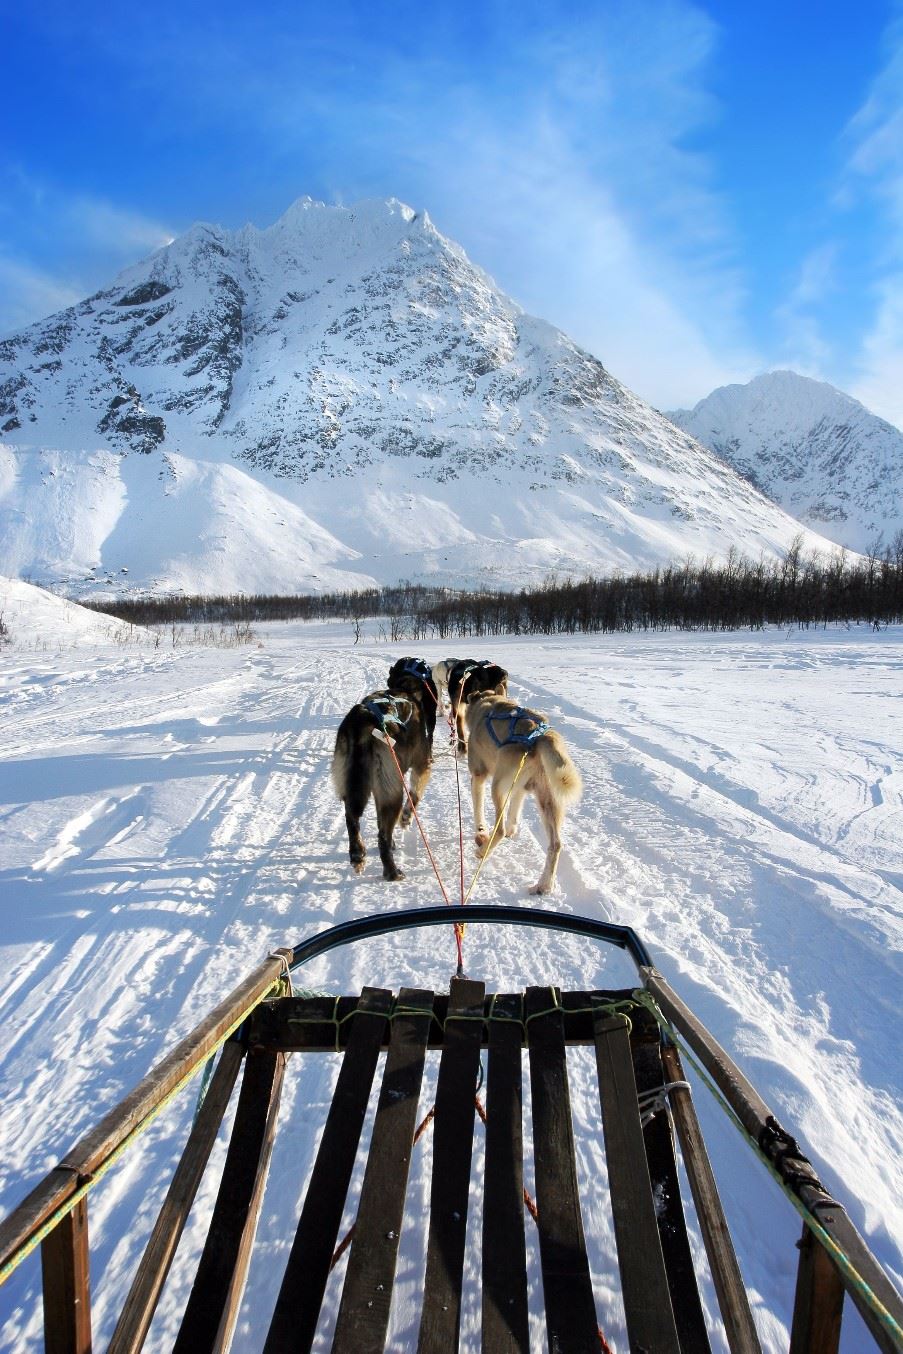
{"type": "Point", "coordinates": [384, 923]}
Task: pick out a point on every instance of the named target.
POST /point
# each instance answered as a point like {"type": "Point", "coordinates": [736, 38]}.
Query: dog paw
{"type": "Point", "coordinates": [512, 831]}
{"type": "Point", "coordinates": [540, 889]}
{"type": "Point", "coordinates": [405, 819]}
{"type": "Point", "coordinates": [357, 866]}
{"type": "Point", "coordinates": [481, 837]}
{"type": "Point", "coordinates": [393, 875]}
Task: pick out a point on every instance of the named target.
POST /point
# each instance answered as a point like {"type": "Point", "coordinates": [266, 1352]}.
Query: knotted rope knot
{"type": "Point", "coordinates": [285, 977]}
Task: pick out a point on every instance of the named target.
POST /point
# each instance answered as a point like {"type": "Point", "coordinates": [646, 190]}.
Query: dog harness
{"type": "Point", "coordinates": [384, 710]}
{"type": "Point", "coordinates": [472, 667]}
{"type": "Point", "coordinates": [417, 667]}
{"type": "Point", "coordinates": [513, 716]}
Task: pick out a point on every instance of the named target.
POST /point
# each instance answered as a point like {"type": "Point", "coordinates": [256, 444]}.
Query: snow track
{"type": "Point", "coordinates": [166, 818]}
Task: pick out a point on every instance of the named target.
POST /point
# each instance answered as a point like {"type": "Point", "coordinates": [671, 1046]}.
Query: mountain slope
{"type": "Point", "coordinates": [340, 396]}
{"type": "Point", "coordinates": [818, 452]}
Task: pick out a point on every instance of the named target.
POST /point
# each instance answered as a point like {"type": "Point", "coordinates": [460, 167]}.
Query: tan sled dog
{"type": "Point", "coordinates": [501, 735]}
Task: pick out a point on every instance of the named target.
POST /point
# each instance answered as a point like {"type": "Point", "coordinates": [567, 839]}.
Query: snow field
{"type": "Point", "coordinates": [166, 819]}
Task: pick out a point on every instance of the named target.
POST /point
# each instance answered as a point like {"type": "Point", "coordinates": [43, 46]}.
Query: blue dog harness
{"type": "Point", "coordinates": [418, 667]}
{"type": "Point", "coordinates": [384, 710]}
{"type": "Point", "coordinates": [513, 717]}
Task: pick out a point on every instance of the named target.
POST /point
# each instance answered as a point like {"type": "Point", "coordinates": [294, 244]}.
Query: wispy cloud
{"type": "Point", "coordinates": [804, 346]}
{"type": "Point", "coordinates": [565, 154]}
{"type": "Point", "coordinates": [876, 169]}
{"type": "Point", "coordinates": [109, 227]}
{"type": "Point", "coordinates": [26, 294]}
{"type": "Point", "coordinates": [74, 243]}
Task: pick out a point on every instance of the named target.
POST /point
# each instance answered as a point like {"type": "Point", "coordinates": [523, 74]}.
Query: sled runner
{"type": "Point", "coordinates": [637, 1035]}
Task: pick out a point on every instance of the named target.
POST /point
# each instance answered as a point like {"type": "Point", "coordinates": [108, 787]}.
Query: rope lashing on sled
{"type": "Point", "coordinates": [808, 1215]}
{"type": "Point", "coordinates": [528, 737]}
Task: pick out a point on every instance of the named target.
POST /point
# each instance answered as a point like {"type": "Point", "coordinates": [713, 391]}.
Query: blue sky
{"type": "Point", "coordinates": [696, 192]}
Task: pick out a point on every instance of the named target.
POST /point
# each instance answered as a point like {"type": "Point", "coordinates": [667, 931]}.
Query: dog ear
{"type": "Point", "coordinates": [470, 696]}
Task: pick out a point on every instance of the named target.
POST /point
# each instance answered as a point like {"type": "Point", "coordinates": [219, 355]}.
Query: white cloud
{"type": "Point", "coordinates": [577, 191]}
{"type": "Point", "coordinates": [78, 242]}
{"type": "Point", "coordinates": [804, 345]}
{"type": "Point", "coordinates": [876, 167]}
{"type": "Point", "coordinates": [28, 294]}
{"type": "Point", "coordinates": [880, 381]}
{"type": "Point", "coordinates": [108, 227]}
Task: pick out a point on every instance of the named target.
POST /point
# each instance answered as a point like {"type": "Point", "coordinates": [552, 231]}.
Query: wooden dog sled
{"type": "Point", "coordinates": [636, 1034]}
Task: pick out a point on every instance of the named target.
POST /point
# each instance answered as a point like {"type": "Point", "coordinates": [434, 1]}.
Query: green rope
{"type": "Point", "coordinates": [610, 1008]}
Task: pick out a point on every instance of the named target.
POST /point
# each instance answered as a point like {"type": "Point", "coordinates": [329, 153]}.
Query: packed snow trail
{"type": "Point", "coordinates": [166, 819]}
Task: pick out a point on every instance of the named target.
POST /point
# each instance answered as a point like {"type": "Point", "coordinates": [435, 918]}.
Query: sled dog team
{"type": "Point", "coordinates": [388, 735]}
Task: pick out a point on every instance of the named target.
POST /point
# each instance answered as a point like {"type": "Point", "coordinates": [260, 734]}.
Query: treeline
{"type": "Point", "coordinates": [738, 594]}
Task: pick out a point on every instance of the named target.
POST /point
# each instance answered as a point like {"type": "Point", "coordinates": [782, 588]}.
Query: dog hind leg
{"type": "Point", "coordinates": [351, 777]}
{"type": "Point", "coordinates": [515, 804]}
{"type": "Point", "coordinates": [387, 814]}
{"type": "Point", "coordinates": [552, 814]}
{"type": "Point", "coordinates": [419, 778]}
{"type": "Point", "coordinates": [388, 796]}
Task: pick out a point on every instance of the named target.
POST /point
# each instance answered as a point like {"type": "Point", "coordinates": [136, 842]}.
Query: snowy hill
{"type": "Point", "coordinates": [817, 451]}
{"type": "Point", "coordinates": [32, 619]}
{"type": "Point", "coordinates": [340, 398]}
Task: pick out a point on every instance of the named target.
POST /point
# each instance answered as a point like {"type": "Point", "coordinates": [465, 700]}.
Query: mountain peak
{"type": "Point", "coordinates": [816, 450]}
{"type": "Point", "coordinates": [343, 385]}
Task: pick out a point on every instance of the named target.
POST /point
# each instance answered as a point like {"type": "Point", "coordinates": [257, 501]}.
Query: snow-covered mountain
{"type": "Point", "coordinates": [816, 451]}
{"type": "Point", "coordinates": [340, 398]}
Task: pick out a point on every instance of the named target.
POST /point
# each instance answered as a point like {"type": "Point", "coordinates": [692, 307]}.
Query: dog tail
{"type": "Point", "coordinates": [351, 767]}
{"type": "Point", "coordinates": [561, 773]}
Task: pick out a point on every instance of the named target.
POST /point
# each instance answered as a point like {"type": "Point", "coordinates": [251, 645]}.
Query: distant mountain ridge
{"type": "Point", "coordinates": [341, 398]}
{"type": "Point", "coordinates": [818, 452]}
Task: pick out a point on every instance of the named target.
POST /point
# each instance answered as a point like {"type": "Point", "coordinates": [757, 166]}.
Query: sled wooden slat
{"type": "Point", "coordinates": [67, 1299]}
{"type": "Point", "coordinates": [758, 1120]}
{"type": "Point", "coordinates": [733, 1302]}
{"type": "Point", "coordinates": [135, 1318]}
{"type": "Point", "coordinates": [505, 1314]}
{"type": "Point", "coordinates": [660, 1291]}
{"type": "Point", "coordinates": [644, 1283]}
{"type": "Point", "coordinates": [453, 1128]}
{"type": "Point", "coordinates": [567, 1286]}
{"type": "Point", "coordinates": [363, 1316]}
{"type": "Point", "coordinates": [213, 1301]}
{"type": "Point", "coordinates": [658, 1138]}
{"type": "Point", "coordinates": [818, 1305]}
{"type": "Point", "coordinates": [297, 1312]}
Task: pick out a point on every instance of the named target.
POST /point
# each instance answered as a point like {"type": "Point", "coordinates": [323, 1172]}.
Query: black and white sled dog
{"type": "Point", "coordinates": [414, 676]}
{"type": "Point", "coordinates": [499, 733]}
{"type": "Point", "coordinates": [363, 764]}
{"type": "Point", "coordinates": [466, 676]}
